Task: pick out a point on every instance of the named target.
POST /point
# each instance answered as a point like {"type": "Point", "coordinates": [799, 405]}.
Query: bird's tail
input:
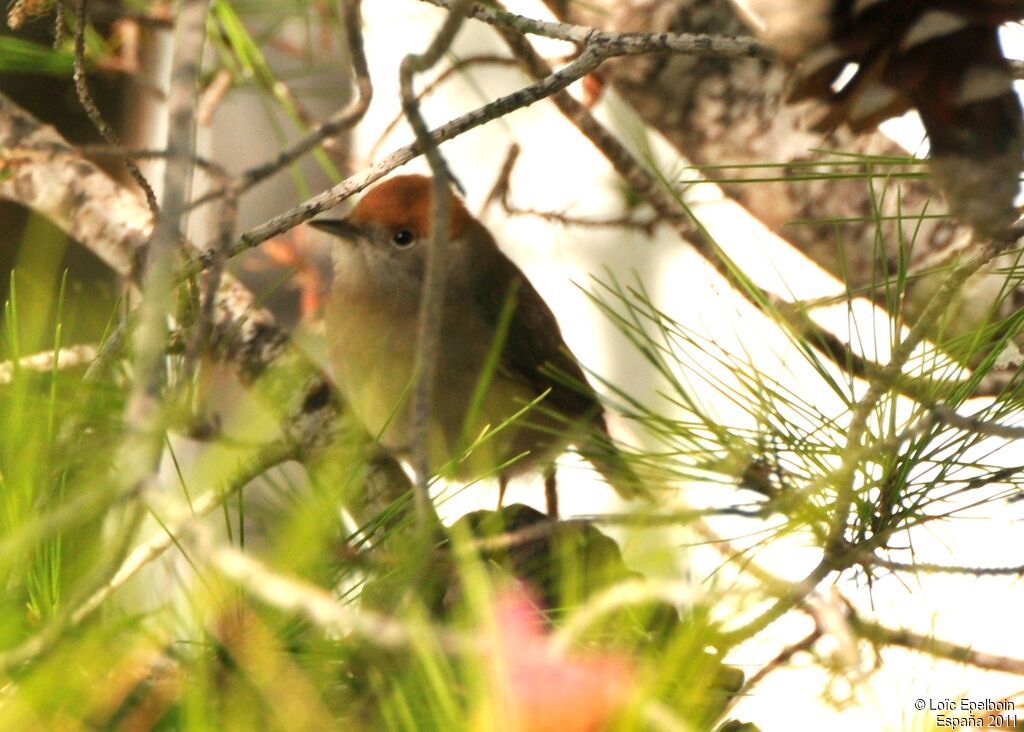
{"type": "Point", "coordinates": [621, 471]}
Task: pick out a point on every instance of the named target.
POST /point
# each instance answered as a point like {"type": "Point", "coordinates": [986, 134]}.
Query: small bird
{"type": "Point", "coordinates": [490, 308]}
{"type": "Point", "coordinates": [875, 59]}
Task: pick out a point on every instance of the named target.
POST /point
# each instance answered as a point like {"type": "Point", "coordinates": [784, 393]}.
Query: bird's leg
{"type": "Point", "coordinates": [551, 491]}
{"type": "Point", "coordinates": [502, 486]}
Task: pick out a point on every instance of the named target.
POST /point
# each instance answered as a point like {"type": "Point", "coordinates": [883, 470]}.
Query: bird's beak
{"type": "Point", "coordinates": [338, 227]}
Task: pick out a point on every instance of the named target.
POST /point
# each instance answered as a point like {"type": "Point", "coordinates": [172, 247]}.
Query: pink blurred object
{"type": "Point", "coordinates": [539, 688]}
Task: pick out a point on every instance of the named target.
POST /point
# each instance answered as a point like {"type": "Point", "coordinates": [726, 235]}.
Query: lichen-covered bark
{"type": "Point", "coordinates": [724, 112]}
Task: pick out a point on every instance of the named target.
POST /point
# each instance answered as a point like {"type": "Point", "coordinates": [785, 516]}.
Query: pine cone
{"type": "Point", "coordinates": [940, 57]}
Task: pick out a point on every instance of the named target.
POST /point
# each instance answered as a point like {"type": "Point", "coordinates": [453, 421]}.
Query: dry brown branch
{"type": "Point", "coordinates": [458, 66]}
{"type": "Point", "coordinates": [93, 112]}
{"type": "Point", "coordinates": [344, 119]}
{"type": "Point", "coordinates": [501, 192]}
{"type": "Point", "coordinates": [781, 659]}
{"type": "Point", "coordinates": [881, 635]}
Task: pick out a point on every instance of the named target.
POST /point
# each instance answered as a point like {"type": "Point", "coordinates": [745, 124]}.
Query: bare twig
{"type": "Point", "coordinates": [784, 656]}
{"type": "Point", "coordinates": [105, 130]}
{"type": "Point", "coordinates": [930, 568]}
{"type": "Point", "coordinates": [59, 22]}
{"type": "Point", "coordinates": [458, 66]}
{"type": "Point", "coordinates": [344, 119]}
{"type": "Point", "coordinates": [212, 96]}
{"type": "Point", "coordinates": [428, 334]}
{"type": "Point", "coordinates": [974, 425]}
{"type": "Point", "coordinates": [501, 191]}
{"type": "Point", "coordinates": [881, 635]}
{"type": "Point", "coordinates": [631, 43]}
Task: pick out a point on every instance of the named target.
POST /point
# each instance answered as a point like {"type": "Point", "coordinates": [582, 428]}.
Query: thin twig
{"type": "Point", "coordinates": [946, 415]}
{"type": "Point", "coordinates": [212, 96]}
{"type": "Point", "coordinates": [881, 635]}
{"type": "Point", "coordinates": [428, 335]}
{"type": "Point", "coordinates": [59, 24]}
{"type": "Point", "coordinates": [344, 119]}
{"type": "Point", "coordinates": [93, 112]}
{"type": "Point", "coordinates": [631, 43]}
{"type": "Point", "coordinates": [784, 656]}
{"type": "Point", "coordinates": [930, 568]}
{"type": "Point", "coordinates": [590, 58]}
{"type": "Point", "coordinates": [457, 66]}
{"type": "Point", "coordinates": [501, 191]}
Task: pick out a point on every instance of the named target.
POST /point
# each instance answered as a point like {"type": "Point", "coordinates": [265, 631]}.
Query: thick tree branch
{"type": "Point", "coordinates": [42, 172]}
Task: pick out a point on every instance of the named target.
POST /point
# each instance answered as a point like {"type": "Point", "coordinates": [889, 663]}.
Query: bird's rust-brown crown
{"type": "Point", "coordinates": [404, 202]}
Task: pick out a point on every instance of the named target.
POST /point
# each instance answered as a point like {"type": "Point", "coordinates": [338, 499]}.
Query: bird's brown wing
{"type": "Point", "coordinates": [534, 351]}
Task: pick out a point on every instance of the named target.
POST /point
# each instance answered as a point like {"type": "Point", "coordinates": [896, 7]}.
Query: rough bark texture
{"type": "Point", "coordinates": [731, 112]}
{"type": "Point", "coordinates": [39, 170]}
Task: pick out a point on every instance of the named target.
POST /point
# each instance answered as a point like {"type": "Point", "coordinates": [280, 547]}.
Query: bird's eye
{"type": "Point", "coordinates": [403, 238]}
